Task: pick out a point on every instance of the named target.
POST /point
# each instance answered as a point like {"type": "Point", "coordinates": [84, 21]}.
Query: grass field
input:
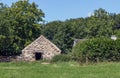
{"type": "Point", "coordinates": [59, 70]}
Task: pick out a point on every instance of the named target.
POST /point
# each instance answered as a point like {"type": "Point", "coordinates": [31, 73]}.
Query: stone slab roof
{"type": "Point", "coordinates": [38, 40]}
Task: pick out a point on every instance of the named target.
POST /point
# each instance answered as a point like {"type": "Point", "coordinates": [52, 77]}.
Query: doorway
{"type": "Point", "coordinates": [38, 56]}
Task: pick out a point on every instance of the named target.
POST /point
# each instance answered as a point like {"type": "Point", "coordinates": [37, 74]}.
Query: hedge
{"type": "Point", "coordinates": [97, 49]}
{"type": "Point", "coordinates": [61, 58]}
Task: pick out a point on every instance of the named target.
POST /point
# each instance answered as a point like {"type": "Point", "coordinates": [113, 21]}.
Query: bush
{"type": "Point", "coordinates": [97, 49]}
{"type": "Point", "coordinates": [61, 58]}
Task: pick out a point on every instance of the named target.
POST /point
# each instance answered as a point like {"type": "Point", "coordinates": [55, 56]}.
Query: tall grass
{"type": "Point", "coordinates": [59, 70]}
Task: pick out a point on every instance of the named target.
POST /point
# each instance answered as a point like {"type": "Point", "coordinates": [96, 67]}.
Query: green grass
{"type": "Point", "coordinates": [59, 70]}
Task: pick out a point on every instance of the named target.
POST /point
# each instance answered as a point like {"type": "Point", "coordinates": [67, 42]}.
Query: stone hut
{"type": "Point", "coordinates": [39, 49]}
{"type": "Point", "coordinates": [77, 41]}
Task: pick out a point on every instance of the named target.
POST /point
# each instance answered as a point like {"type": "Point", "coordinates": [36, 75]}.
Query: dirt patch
{"type": "Point", "coordinates": [45, 63]}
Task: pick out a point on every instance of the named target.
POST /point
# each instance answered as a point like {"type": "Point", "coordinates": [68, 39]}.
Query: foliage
{"type": "Point", "coordinates": [51, 29]}
{"type": "Point", "coordinates": [19, 25]}
{"type": "Point", "coordinates": [97, 49]}
{"type": "Point", "coordinates": [100, 24]}
{"type": "Point", "coordinates": [61, 58]}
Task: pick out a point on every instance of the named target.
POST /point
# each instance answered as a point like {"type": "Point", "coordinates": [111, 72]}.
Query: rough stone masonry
{"type": "Point", "coordinates": [39, 49]}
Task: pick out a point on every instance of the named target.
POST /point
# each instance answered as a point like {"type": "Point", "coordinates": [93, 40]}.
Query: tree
{"type": "Point", "coordinates": [23, 19]}
{"type": "Point", "coordinates": [101, 13]}
{"type": "Point", "coordinates": [5, 31]}
{"type": "Point", "coordinates": [101, 24]}
{"type": "Point", "coordinates": [50, 29]}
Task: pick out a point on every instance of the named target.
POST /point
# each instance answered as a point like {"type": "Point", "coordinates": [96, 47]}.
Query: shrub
{"type": "Point", "coordinates": [97, 49]}
{"type": "Point", "coordinates": [61, 58]}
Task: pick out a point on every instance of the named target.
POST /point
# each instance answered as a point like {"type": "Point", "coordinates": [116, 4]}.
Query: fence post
{"type": "Point", "coordinates": [86, 58]}
{"type": "Point", "coordinates": [97, 59]}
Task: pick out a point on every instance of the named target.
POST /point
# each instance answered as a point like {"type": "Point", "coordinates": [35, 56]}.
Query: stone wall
{"type": "Point", "coordinates": [7, 58]}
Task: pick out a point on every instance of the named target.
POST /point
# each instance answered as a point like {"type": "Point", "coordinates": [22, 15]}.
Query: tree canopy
{"type": "Point", "coordinates": [100, 24]}
{"type": "Point", "coordinates": [20, 24]}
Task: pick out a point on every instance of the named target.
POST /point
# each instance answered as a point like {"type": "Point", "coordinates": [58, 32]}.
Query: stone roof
{"type": "Point", "coordinates": [38, 40]}
{"type": "Point", "coordinates": [77, 41]}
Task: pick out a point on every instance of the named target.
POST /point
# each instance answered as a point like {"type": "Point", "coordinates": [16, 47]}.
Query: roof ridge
{"type": "Point", "coordinates": [50, 42]}
{"type": "Point", "coordinates": [38, 40]}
